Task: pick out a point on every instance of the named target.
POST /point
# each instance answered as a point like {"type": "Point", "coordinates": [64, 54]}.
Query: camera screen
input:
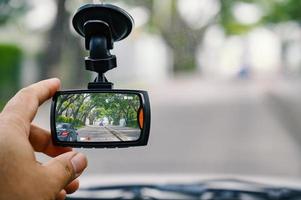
{"type": "Point", "coordinates": [98, 117]}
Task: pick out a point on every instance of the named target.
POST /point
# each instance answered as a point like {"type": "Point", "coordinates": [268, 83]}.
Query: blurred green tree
{"type": "Point", "coordinates": [10, 68]}
{"type": "Point", "coordinates": [10, 55]}
{"type": "Point", "coordinates": [183, 39]}
{"type": "Point", "coordinates": [277, 12]}
{"type": "Point", "coordinates": [179, 36]}
{"type": "Point", "coordinates": [228, 21]}
{"type": "Point", "coordinates": [281, 11]}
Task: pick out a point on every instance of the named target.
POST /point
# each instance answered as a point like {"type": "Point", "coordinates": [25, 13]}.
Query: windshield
{"type": "Point", "coordinates": [223, 79]}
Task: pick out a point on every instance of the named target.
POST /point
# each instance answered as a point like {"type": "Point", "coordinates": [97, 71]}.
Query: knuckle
{"type": "Point", "coordinates": [69, 170]}
{"type": "Point", "coordinates": [66, 168]}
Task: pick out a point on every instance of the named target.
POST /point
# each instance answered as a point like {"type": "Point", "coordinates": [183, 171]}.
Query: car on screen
{"type": "Point", "coordinates": [66, 132]}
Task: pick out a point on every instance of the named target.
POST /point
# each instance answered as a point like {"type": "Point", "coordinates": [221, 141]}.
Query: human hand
{"type": "Point", "coordinates": [21, 176]}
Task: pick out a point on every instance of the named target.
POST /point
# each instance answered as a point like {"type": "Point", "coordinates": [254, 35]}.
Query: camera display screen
{"type": "Point", "coordinates": [98, 117]}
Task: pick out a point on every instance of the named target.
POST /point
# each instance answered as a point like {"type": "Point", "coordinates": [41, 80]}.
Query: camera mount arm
{"type": "Point", "coordinates": [101, 25]}
{"type": "Point", "coordinates": [98, 40]}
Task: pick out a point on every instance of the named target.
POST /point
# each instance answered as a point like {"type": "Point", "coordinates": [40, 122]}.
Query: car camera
{"type": "Point", "coordinates": [101, 117]}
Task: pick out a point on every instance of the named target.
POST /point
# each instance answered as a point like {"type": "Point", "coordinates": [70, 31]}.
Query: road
{"type": "Point", "coordinates": [249, 128]}
{"type": "Point", "coordinates": [108, 133]}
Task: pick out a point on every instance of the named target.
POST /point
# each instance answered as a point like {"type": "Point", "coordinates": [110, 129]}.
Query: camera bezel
{"type": "Point", "coordinates": [142, 141]}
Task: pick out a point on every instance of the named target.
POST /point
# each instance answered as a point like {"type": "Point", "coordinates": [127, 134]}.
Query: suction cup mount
{"type": "Point", "coordinates": [101, 25]}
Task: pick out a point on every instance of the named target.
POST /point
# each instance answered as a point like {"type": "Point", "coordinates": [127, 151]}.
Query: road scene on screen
{"type": "Point", "coordinates": [97, 117]}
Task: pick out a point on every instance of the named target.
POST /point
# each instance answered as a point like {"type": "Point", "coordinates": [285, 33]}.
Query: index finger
{"type": "Point", "coordinates": [25, 103]}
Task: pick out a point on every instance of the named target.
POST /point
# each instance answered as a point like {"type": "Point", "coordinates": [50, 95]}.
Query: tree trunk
{"type": "Point", "coordinates": [62, 44]}
{"type": "Point", "coordinates": [55, 42]}
{"type": "Point", "coordinates": [182, 39]}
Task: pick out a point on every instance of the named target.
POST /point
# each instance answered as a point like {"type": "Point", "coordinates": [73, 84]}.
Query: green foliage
{"type": "Point", "coordinates": [79, 108]}
{"type": "Point", "coordinates": [63, 119]}
{"type": "Point", "coordinates": [10, 67]}
{"type": "Point", "coordinates": [285, 10]}
{"type": "Point", "coordinates": [228, 21]}
{"type": "Point", "coordinates": [275, 11]}
{"type": "Point", "coordinates": [235, 28]}
{"type": "Point", "coordinates": [75, 122]}
{"type": "Point", "coordinates": [2, 104]}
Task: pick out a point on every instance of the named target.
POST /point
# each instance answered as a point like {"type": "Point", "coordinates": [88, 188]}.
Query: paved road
{"type": "Point", "coordinates": [107, 133]}
{"type": "Point", "coordinates": [96, 134]}
{"type": "Point", "coordinates": [214, 127]}
{"type": "Point", "coordinates": [125, 133]}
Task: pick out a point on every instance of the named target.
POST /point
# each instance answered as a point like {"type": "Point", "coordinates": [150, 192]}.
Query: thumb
{"type": "Point", "coordinates": [65, 168]}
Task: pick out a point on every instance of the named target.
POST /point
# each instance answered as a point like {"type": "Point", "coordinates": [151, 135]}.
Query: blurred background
{"type": "Point", "coordinates": [224, 79]}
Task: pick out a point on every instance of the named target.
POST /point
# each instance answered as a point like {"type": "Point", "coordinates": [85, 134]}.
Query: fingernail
{"type": "Point", "coordinates": [79, 163]}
